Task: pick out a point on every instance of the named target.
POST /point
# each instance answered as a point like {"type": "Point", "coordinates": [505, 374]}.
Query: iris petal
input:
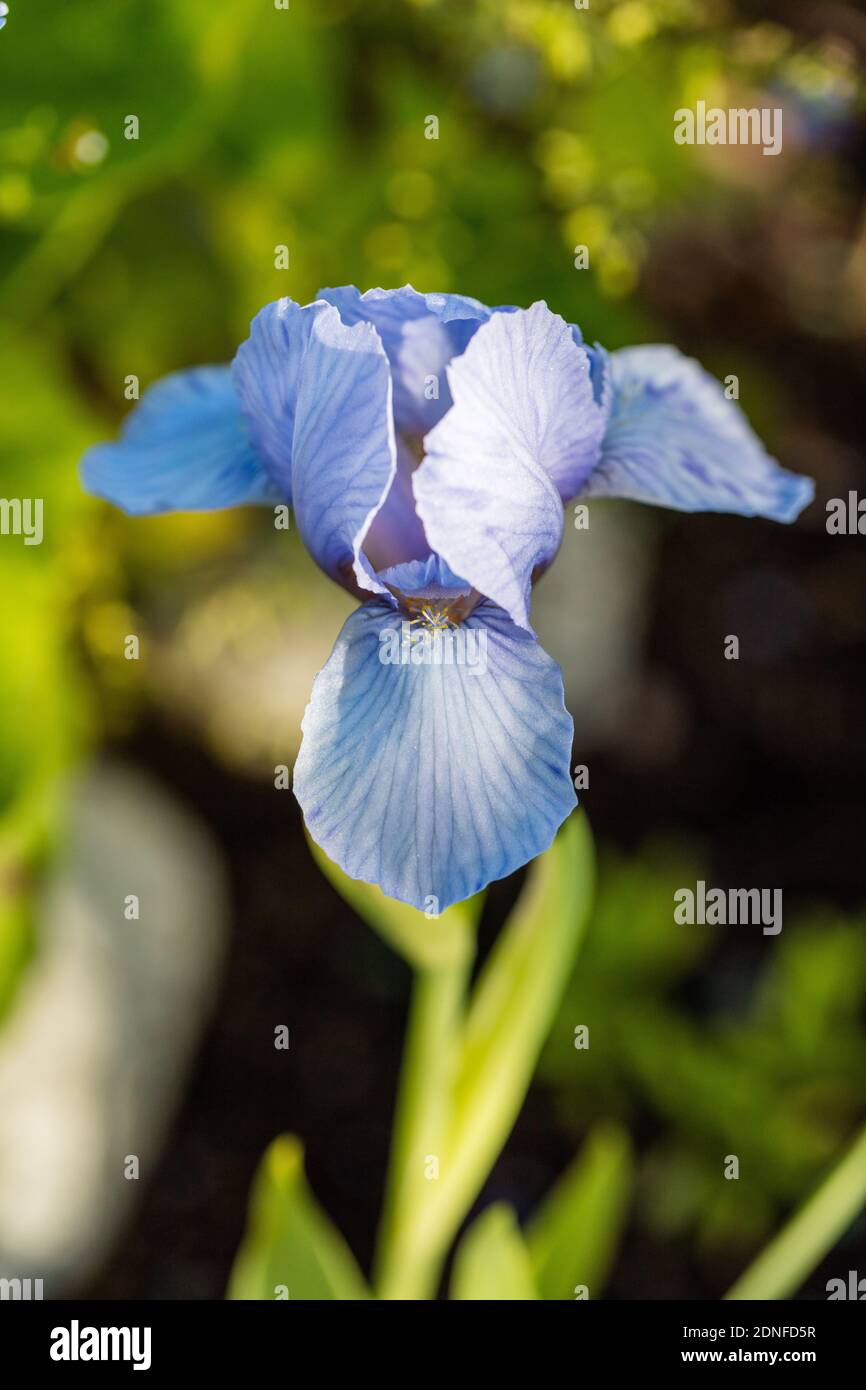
{"type": "Point", "coordinates": [430, 577]}
{"type": "Point", "coordinates": [396, 533]}
{"type": "Point", "coordinates": [675, 439]}
{"type": "Point", "coordinates": [185, 447]}
{"type": "Point", "coordinates": [420, 333]}
{"type": "Point", "coordinates": [345, 453]}
{"type": "Point", "coordinates": [318, 397]}
{"type": "Point", "coordinates": [267, 376]}
{"type": "Point", "coordinates": [432, 780]}
{"type": "Point", "coordinates": [523, 433]}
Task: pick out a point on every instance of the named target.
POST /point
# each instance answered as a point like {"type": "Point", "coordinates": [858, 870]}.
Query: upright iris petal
{"type": "Point", "coordinates": [266, 374]}
{"type": "Point", "coordinates": [436, 748]}
{"type": "Point", "coordinates": [523, 432]}
{"type": "Point", "coordinates": [396, 533]}
{"type": "Point", "coordinates": [317, 395]}
{"type": "Point", "coordinates": [420, 333]}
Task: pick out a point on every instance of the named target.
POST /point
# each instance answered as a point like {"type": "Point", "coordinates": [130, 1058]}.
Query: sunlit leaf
{"type": "Point", "coordinates": [811, 1233]}
{"type": "Point", "coordinates": [424, 942]}
{"type": "Point", "coordinates": [574, 1235]}
{"type": "Point", "coordinates": [492, 1263]}
{"type": "Point", "coordinates": [291, 1249]}
{"type": "Point", "coordinates": [511, 1010]}
{"type": "Point", "coordinates": [468, 1071]}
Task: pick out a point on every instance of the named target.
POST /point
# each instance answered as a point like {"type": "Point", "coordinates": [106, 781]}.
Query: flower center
{"type": "Point", "coordinates": [433, 614]}
{"type": "Point", "coordinates": [437, 612]}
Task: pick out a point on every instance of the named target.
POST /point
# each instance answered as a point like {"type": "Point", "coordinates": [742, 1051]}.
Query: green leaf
{"type": "Point", "coordinates": [574, 1235]}
{"type": "Point", "coordinates": [492, 1262]}
{"type": "Point", "coordinates": [290, 1243]}
{"type": "Point", "coordinates": [508, 1018]}
{"type": "Point", "coordinates": [425, 943]}
{"type": "Point", "coordinates": [470, 1089]}
{"type": "Point", "coordinates": [811, 1233]}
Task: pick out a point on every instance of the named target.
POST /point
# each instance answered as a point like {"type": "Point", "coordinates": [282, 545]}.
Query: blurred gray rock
{"type": "Point", "coordinates": [94, 1056]}
{"type": "Point", "coordinates": [589, 611]}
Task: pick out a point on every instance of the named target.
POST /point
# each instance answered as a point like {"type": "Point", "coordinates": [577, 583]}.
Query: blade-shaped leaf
{"type": "Point", "coordinates": [811, 1233]}
{"type": "Point", "coordinates": [291, 1248]}
{"type": "Point", "coordinates": [426, 943]}
{"type": "Point", "coordinates": [573, 1236]}
{"type": "Point", "coordinates": [509, 1016]}
{"type": "Point", "coordinates": [492, 1263]}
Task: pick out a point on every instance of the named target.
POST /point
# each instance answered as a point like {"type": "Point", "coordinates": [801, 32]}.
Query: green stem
{"type": "Point", "coordinates": [407, 1266]}
{"type": "Point", "coordinates": [780, 1269]}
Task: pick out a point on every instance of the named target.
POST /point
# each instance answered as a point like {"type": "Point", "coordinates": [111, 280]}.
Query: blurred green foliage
{"type": "Point", "coordinates": [43, 707]}
{"type": "Point", "coordinates": [771, 1070]}
{"type": "Point", "coordinates": [305, 127]}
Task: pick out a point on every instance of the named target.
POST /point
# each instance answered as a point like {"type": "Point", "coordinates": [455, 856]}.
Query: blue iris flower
{"type": "Point", "coordinates": [427, 445]}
